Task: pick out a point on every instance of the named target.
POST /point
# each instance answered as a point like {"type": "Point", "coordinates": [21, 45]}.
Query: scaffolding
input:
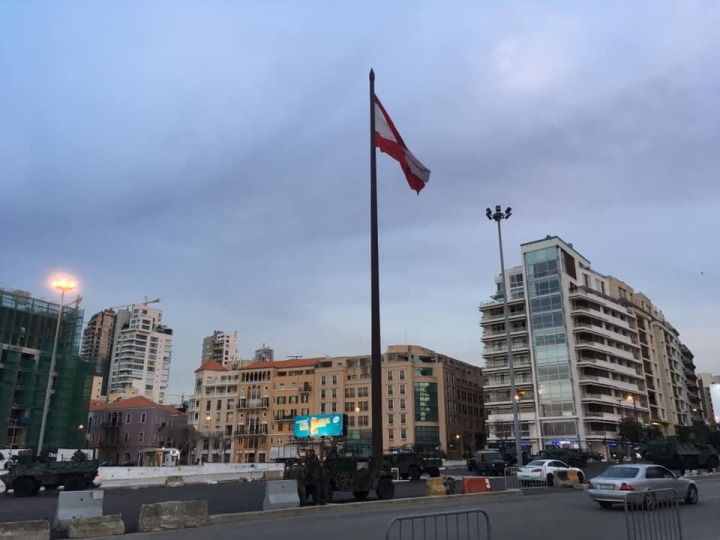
{"type": "Point", "coordinates": [27, 328]}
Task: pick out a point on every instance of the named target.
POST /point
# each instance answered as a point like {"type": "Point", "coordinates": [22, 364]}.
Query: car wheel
{"type": "Point", "coordinates": [25, 487]}
{"type": "Point", "coordinates": [692, 495]}
{"type": "Point", "coordinates": [581, 477]}
{"type": "Point", "coordinates": [385, 489]}
{"type": "Point", "coordinates": [550, 480]}
{"type": "Point", "coordinates": [605, 504]}
{"type": "Point", "coordinates": [712, 463]}
{"type": "Point", "coordinates": [434, 472]}
{"type": "Point", "coordinates": [415, 473]}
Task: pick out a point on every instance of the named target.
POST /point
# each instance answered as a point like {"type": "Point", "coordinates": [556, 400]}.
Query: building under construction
{"type": "Point", "coordinates": [27, 332]}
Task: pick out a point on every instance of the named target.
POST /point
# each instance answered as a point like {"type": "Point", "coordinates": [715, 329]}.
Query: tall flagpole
{"type": "Point", "coordinates": [376, 367]}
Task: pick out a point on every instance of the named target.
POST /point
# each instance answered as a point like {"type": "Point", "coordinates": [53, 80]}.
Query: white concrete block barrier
{"type": "Point", "coordinates": [281, 494]}
{"type": "Point", "coordinates": [25, 530]}
{"type": "Point", "coordinates": [96, 527]}
{"type": "Point", "coordinates": [171, 515]}
{"type": "Point", "coordinates": [73, 504]}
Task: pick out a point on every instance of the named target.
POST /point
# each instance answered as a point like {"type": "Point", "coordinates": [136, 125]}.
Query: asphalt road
{"type": "Point", "coordinates": [558, 513]}
{"type": "Point", "coordinates": [222, 498]}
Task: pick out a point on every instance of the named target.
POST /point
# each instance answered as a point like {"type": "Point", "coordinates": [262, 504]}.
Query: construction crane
{"type": "Point", "coordinates": [145, 303]}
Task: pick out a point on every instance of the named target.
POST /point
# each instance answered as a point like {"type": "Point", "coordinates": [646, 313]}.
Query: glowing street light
{"type": "Point", "coordinates": [64, 284]}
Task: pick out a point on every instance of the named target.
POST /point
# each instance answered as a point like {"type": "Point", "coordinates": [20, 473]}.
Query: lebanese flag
{"type": "Point", "coordinates": [388, 140]}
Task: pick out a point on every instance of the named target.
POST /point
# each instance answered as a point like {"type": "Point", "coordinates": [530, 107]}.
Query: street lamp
{"type": "Point", "coordinates": [498, 216]}
{"type": "Point", "coordinates": [63, 284]}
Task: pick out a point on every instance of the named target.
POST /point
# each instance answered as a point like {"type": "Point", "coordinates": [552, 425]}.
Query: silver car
{"type": "Point", "coordinates": [612, 486]}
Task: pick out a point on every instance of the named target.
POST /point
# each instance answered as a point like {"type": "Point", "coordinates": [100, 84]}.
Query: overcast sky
{"type": "Point", "coordinates": [215, 155]}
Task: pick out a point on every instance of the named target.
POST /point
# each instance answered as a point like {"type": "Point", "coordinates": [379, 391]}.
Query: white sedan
{"type": "Point", "coordinates": [542, 472]}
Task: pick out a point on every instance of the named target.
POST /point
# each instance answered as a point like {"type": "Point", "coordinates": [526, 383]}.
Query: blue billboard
{"type": "Point", "coordinates": [320, 425]}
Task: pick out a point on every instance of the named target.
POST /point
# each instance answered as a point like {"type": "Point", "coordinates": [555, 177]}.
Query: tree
{"type": "Point", "coordinates": [190, 438]}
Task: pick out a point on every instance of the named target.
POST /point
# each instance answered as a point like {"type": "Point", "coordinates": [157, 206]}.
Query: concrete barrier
{"type": "Point", "coordinates": [170, 515]}
{"type": "Point", "coordinates": [479, 484]}
{"type": "Point", "coordinates": [72, 504]}
{"type": "Point", "coordinates": [95, 527]}
{"type": "Point", "coordinates": [25, 530]}
{"type": "Point", "coordinates": [174, 481]}
{"type": "Point", "coordinates": [565, 478]}
{"type": "Point", "coordinates": [435, 487]}
{"type": "Point", "coordinates": [281, 494]}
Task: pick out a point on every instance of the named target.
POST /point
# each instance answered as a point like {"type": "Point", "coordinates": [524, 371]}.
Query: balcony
{"type": "Point", "coordinates": [594, 416]}
{"type": "Point", "coordinates": [514, 315]}
{"type": "Point", "coordinates": [523, 347]}
{"type": "Point", "coordinates": [253, 404]}
{"type": "Point", "coordinates": [306, 388]}
{"type": "Point", "coordinates": [111, 424]}
{"type": "Point", "coordinates": [607, 349]}
{"type": "Point", "coordinates": [495, 366]}
{"type": "Point", "coordinates": [283, 417]}
{"type": "Point", "coordinates": [499, 384]}
{"type": "Point", "coordinates": [252, 432]}
{"type": "Point", "coordinates": [523, 416]}
{"type": "Point", "coordinates": [613, 368]}
{"type": "Point", "coordinates": [613, 383]}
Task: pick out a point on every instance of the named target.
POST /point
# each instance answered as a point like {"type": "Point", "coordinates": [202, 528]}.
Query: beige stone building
{"type": "Point", "coordinates": [429, 400]}
{"type": "Point", "coordinates": [246, 413]}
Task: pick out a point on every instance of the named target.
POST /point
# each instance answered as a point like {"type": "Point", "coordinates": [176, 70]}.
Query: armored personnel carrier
{"type": "Point", "coordinates": [27, 474]}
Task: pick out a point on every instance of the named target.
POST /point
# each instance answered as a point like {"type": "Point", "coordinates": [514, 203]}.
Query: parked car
{"type": "Point", "coordinates": [487, 463]}
{"type": "Point", "coordinates": [545, 470]}
{"type": "Point", "coordinates": [596, 456]}
{"type": "Point", "coordinates": [612, 486]}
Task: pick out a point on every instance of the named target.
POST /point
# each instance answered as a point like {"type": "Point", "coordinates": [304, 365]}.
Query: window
{"type": "Point", "coordinates": [363, 421]}
{"type": "Point", "coordinates": [403, 433]}
{"type": "Point", "coordinates": [390, 375]}
{"type": "Point", "coordinates": [207, 405]}
{"type": "Point", "coordinates": [391, 434]}
{"type": "Point", "coordinates": [364, 405]}
{"type": "Point", "coordinates": [349, 406]}
{"type": "Point", "coordinates": [126, 437]}
{"type": "Point", "coordinates": [403, 418]}
{"type": "Point", "coordinates": [305, 412]}
{"type": "Point", "coordinates": [402, 374]}
{"type": "Point", "coordinates": [426, 402]}
{"type": "Point", "coordinates": [349, 392]}
{"type": "Point", "coordinates": [142, 417]}
{"type": "Point", "coordinates": [141, 436]}
{"type": "Point", "coordinates": [305, 398]}
{"type": "Point", "coordinates": [322, 407]}
{"type": "Point", "coordinates": [390, 404]}
{"type": "Point", "coordinates": [363, 392]}
{"type": "Point", "coordinates": [389, 389]}
{"type": "Point", "coordinates": [323, 394]}
{"type": "Point", "coordinates": [429, 435]}
{"type": "Point", "coordinates": [323, 380]}
{"type": "Point", "coordinates": [333, 393]}
{"type": "Point", "coordinates": [217, 417]}
{"type": "Point", "coordinates": [128, 417]}
{"type": "Point", "coordinates": [402, 403]}
{"type": "Point", "coordinates": [402, 389]}
{"type": "Point", "coordinates": [351, 421]}
{"type": "Point", "coordinates": [390, 418]}
{"type": "Point", "coordinates": [218, 406]}
{"type": "Point", "coordinates": [333, 406]}
{"type": "Point", "coordinates": [334, 379]}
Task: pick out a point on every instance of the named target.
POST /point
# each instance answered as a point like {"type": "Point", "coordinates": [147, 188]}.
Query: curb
{"type": "Point", "coordinates": [268, 515]}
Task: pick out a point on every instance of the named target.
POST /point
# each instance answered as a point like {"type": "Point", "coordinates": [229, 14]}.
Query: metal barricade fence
{"type": "Point", "coordinates": [456, 525]}
{"type": "Point", "coordinates": [526, 477]}
{"type": "Point", "coordinates": [653, 514]}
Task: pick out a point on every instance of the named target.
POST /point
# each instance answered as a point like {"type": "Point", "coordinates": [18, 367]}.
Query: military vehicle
{"type": "Point", "coordinates": [28, 474]}
{"type": "Point", "coordinates": [412, 464]}
{"type": "Point", "coordinates": [509, 454]}
{"type": "Point", "coordinates": [570, 456]}
{"type": "Point", "coordinates": [670, 452]}
{"type": "Point", "coordinates": [487, 463]}
{"type": "Point", "coordinates": [318, 481]}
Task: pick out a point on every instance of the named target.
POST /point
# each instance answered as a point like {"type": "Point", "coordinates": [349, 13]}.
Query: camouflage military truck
{"type": "Point", "coordinates": [683, 456]}
{"type": "Point", "coordinates": [27, 475]}
{"type": "Point", "coordinates": [572, 457]}
{"type": "Point", "coordinates": [355, 475]}
{"type": "Point", "coordinates": [412, 464]}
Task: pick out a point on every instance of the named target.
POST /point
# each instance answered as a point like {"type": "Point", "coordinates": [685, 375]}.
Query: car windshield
{"type": "Point", "coordinates": [620, 472]}
{"type": "Point", "coordinates": [536, 463]}
{"type": "Point", "coordinates": [491, 457]}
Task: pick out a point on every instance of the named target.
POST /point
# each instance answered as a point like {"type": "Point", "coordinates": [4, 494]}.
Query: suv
{"type": "Point", "coordinates": [487, 463]}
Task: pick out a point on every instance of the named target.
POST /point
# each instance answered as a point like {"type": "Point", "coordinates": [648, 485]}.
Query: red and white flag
{"type": "Point", "coordinates": [388, 140]}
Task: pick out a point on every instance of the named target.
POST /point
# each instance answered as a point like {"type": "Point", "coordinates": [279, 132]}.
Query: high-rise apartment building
{"type": "Point", "coordinates": [588, 352]}
{"type": "Point", "coordinates": [27, 332]}
{"type": "Point", "coordinates": [221, 347]}
{"type": "Point", "coordinates": [141, 354]}
{"type": "Point", "coordinates": [709, 391]}
{"type": "Point", "coordinates": [264, 354]}
{"type": "Point", "coordinates": [97, 344]}
{"type": "Point", "coordinates": [246, 414]}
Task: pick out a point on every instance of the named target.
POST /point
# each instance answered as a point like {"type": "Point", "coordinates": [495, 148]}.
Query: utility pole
{"type": "Point", "coordinates": [498, 216]}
